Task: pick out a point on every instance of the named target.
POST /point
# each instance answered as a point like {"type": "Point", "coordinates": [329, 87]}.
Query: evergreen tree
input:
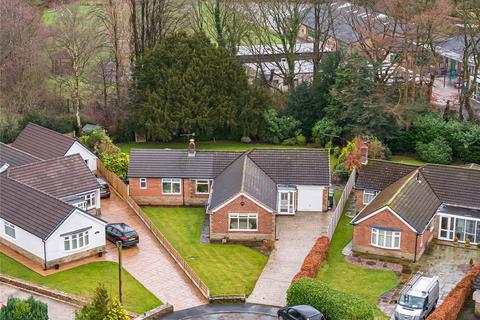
{"type": "Point", "coordinates": [98, 308]}
{"type": "Point", "coordinates": [117, 312]}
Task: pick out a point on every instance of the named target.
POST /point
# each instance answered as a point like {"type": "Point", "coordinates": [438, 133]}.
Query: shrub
{"type": "Point", "coordinates": [99, 306]}
{"type": "Point", "coordinates": [314, 259]}
{"type": "Point", "coordinates": [98, 142]}
{"type": "Point", "coordinates": [437, 151]}
{"type": "Point", "coordinates": [116, 162]}
{"type": "Point", "coordinates": [246, 139]}
{"type": "Point", "coordinates": [8, 129]}
{"type": "Point", "coordinates": [301, 140]}
{"type": "Point", "coordinates": [278, 128]}
{"type": "Point", "coordinates": [289, 142]}
{"type": "Point", "coordinates": [334, 304]}
{"type": "Point", "coordinates": [117, 312]}
{"type": "Point", "coordinates": [325, 130]}
{"type": "Point", "coordinates": [18, 309]}
{"type": "Point", "coordinates": [377, 150]}
{"type": "Point", "coordinates": [62, 124]}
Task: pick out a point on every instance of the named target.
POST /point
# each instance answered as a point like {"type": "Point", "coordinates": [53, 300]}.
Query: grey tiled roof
{"type": "Point", "coordinates": [59, 177]}
{"type": "Point", "coordinates": [378, 174]}
{"type": "Point", "coordinates": [454, 185]}
{"type": "Point", "coordinates": [244, 176]}
{"type": "Point", "coordinates": [15, 157]}
{"type": "Point", "coordinates": [42, 142]}
{"type": "Point", "coordinates": [30, 209]}
{"type": "Point", "coordinates": [157, 163]}
{"type": "Point", "coordinates": [411, 197]}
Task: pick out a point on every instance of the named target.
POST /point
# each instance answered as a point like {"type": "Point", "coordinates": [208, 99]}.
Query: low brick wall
{"type": "Point", "coordinates": [156, 313]}
{"type": "Point", "coordinates": [312, 262]}
{"type": "Point", "coordinates": [455, 300]}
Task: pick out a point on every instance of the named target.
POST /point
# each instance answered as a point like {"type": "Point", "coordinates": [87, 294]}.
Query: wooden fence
{"type": "Point", "coordinates": [122, 189]}
{"type": "Point", "coordinates": [341, 204]}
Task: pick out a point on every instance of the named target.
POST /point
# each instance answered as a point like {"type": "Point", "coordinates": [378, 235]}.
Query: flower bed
{"type": "Point", "coordinates": [455, 300]}
{"type": "Point", "coordinates": [314, 259]}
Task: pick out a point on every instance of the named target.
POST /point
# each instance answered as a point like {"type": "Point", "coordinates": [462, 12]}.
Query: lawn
{"type": "Point", "coordinates": [407, 159]}
{"type": "Point", "coordinates": [336, 272]}
{"type": "Point", "coordinates": [225, 268]}
{"type": "Point", "coordinates": [82, 280]}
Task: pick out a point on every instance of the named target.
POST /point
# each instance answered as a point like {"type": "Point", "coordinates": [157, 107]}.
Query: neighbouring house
{"type": "Point", "coordinates": [46, 144]}
{"type": "Point", "coordinates": [44, 229]}
{"type": "Point", "coordinates": [12, 157]}
{"type": "Point", "coordinates": [402, 208]}
{"type": "Point", "coordinates": [242, 192]}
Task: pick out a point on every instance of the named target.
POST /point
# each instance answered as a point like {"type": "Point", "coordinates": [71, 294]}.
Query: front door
{"type": "Point", "coordinates": [286, 202]}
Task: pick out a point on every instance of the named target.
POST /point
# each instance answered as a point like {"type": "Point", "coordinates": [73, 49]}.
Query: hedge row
{"type": "Point", "coordinates": [455, 300]}
{"type": "Point", "coordinates": [314, 259]}
{"type": "Point", "coordinates": [336, 305]}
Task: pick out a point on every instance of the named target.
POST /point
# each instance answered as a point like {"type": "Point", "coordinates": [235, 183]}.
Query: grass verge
{"type": "Point", "coordinates": [225, 268]}
{"type": "Point", "coordinates": [82, 280]}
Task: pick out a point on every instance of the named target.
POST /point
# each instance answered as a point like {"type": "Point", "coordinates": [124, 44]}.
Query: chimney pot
{"type": "Point", "coordinates": [191, 148]}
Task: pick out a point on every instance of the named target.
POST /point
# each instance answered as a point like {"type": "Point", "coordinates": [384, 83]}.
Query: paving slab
{"type": "Point", "coordinates": [295, 237]}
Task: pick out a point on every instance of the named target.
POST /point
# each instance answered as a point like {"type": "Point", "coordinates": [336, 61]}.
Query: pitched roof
{"type": "Point", "coordinates": [59, 177]}
{"type": "Point", "coordinates": [42, 142]}
{"type": "Point", "coordinates": [244, 176]}
{"type": "Point", "coordinates": [454, 185]}
{"type": "Point", "coordinates": [411, 197]}
{"type": "Point", "coordinates": [165, 163]}
{"type": "Point", "coordinates": [378, 174]}
{"type": "Point", "coordinates": [31, 209]}
{"type": "Point", "coordinates": [15, 157]}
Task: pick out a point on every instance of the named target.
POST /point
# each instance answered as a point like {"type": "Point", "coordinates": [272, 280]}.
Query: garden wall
{"type": "Point", "coordinates": [455, 300]}
{"type": "Point", "coordinates": [312, 262]}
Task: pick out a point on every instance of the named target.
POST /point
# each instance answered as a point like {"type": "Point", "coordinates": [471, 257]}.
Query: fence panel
{"type": "Point", "coordinates": [341, 204]}
{"type": "Point", "coordinates": [122, 189]}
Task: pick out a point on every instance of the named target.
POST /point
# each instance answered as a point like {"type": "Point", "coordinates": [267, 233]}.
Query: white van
{"type": "Point", "coordinates": [418, 298]}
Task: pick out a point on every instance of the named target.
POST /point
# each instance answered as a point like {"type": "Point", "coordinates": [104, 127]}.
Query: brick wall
{"type": "Point", "coordinates": [325, 199]}
{"type": "Point", "coordinates": [152, 195]}
{"type": "Point", "coordinates": [219, 221]}
{"type": "Point", "coordinates": [362, 233]}
{"type": "Point", "coordinates": [358, 199]}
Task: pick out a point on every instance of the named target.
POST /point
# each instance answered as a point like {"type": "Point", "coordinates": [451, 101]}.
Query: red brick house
{"type": "Point", "coordinates": [402, 208]}
{"type": "Point", "coordinates": [242, 192]}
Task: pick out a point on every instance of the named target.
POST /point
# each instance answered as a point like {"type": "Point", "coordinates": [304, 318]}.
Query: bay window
{"type": "Point", "coordinates": [202, 186]}
{"type": "Point", "coordinates": [369, 195]}
{"type": "Point", "coordinates": [387, 239]}
{"type": "Point", "coordinates": [172, 186]}
{"type": "Point", "coordinates": [76, 241]}
{"type": "Point", "coordinates": [243, 222]}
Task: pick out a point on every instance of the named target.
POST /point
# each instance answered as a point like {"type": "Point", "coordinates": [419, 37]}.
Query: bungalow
{"type": "Point", "coordinates": [402, 208]}
{"type": "Point", "coordinates": [46, 144]}
{"type": "Point", "coordinates": [45, 229]}
{"type": "Point", "coordinates": [12, 157]}
{"type": "Point", "coordinates": [243, 192]}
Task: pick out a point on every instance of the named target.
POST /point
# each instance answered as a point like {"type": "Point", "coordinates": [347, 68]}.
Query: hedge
{"type": "Point", "coordinates": [336, 305]}
{"type": "Point", "coordinates": [19, 309]}
{"type": "Point", "coordinates": [453, 303]}
{"type": "Point", "coordinates": [314, 259]}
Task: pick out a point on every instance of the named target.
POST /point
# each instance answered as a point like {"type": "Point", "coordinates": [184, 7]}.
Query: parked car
{"type": "Point", "coordinates": [418, 298]}
{"type": "Point", "coordinates": [104, 188]}
{"type": "Point", "coordinates": [300, 312]}
{"type": "Point", "coordinates": [122, 232]}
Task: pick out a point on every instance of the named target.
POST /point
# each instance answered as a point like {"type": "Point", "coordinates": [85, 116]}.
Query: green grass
{"type": "Point", "coordinates": [82, 280]}
{"type": "Point", "coordinates": [337, 194]}
{"type": "Point", "coordinates": [407, 159]}
{"type": "Point", "coordinates": [224, 268]}
{"type": "Point", "coordinates": [49, 16]}
{"type": "Point", "coordinates": [337, 273]}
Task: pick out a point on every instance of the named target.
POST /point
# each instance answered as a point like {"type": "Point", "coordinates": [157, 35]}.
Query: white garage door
{"type": "Point", "coordinates": [310, 198]}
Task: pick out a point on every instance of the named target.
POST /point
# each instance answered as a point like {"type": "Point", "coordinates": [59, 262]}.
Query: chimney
{"type": "Point", "coordinates": [191, 148]}
{"type": "Point", "coordinates": [364, 152]}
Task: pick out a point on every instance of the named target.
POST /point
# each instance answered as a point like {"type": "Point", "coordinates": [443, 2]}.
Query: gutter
{"type": "Point", "coordinates": [44, 255]}
{"type": "Point", "coordinates": [416, 244]}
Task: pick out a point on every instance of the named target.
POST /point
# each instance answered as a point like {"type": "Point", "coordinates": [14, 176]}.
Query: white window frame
{"type": "Point", "coordinates": [8, 225]}
{"type": "Point", "coordinates": [84, 235]}
{"type": "Point", "coordinates": [91, 200]}
{"type": "Point", "coordinates": [81, 205]}
{"type": "Point", "coordinates": [237, 216]}
{"type": "Point", "coordinates": [371, 193]}
{"type": "Point", "coordinates": [374, 239]}
{"type": "Point", "coordinates": [291, 202]}
{"type": "Point", "coordinates": [143, 183]}
{"type": "Point", "coordinates": [172, 181]}
{"type": "Point", "coordinates": [202, 182]}
{"type": "Point", "coordinates": [452, 228]}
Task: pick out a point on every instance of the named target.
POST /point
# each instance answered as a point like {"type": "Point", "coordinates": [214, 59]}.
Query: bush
{"type": "Point", "coordinates": [117, 312]}
{"type": "Point", "coordinates": [325, 130]}
{"type": "Point", "coordinates": [98, 142]}
{"type": "Point", "coordinates": [377, 150]}
{"type": "Point", "coordinates": [62, 124]}
{"type": "Point", "coordinates": [99, 306]}
{"type": "Point", "coordinates": [246, 139]}
{"type": "Point", "coordinates": [278, 128]}
{"type": "Point", "coordinates": [312, 262]}
{"type": "Point", "coordinates": [437, 151]}
{"type": "Point", "coordinates": [18, 309]}
{"type": "Point", "coordinates": [8, 129]}
{"type": "Point", "coordinates": [289, 142]}
{"type": "Point", "coordinates": [301, 140]}
{"type": "Point", "coordinates": [334, 304]}
{"type": "Point", "coordinates": [116, 162]}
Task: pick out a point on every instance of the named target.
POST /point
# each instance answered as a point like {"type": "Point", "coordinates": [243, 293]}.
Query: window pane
{"type": "Point", "coordinates": [444, 223]}
{"type": "Point", "coordinates": [86, 238]}
{"type": "Point", "coordinates": [242, 222]}
{"type": "Point", "coordinates": [381, 238]}
{"type": "Point", "coordinates": [478, 232]}
{"type": "Point", "coordinates": [233, 222]}
{"type": "Point", "coordinates": [396, 241]}
{"type": "Point", "coordinates": [374, 236]}
{"type": "Point", "coordinates": [66, 244]}
{"type": "Point", "coordinates": [80, 240]}
{"type": "Point", "coordinates": [460, 229]}
{"type": "Point", "coordinates": [74, 242]}
{"type": "Point", "coordinates": [176, 187]}
{"type": "Point", "coordinates": [202, 186]}
{"type": "Point", "coordinates": [388, 239]}
{"type": "Point", "coordinates": [252, 222]}
{"type": "Point", "coordinates": [167, 187]}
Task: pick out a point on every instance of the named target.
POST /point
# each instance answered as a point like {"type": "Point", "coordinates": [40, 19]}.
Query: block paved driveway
{"type": "Point", "coordinates": [149, 263]}
{"type": "Point", "coordinates": [296, 236]}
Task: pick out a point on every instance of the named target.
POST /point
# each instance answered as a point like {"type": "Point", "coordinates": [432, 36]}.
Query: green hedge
{"type": "Point", "coordinates": [336, 305]}
{"type": "Point", "coordinates": [29, 309]}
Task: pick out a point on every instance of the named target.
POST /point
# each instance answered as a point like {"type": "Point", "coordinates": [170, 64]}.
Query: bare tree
{"type": "Point", "coordinates": [152, 20]}
{"type": "Point", "coordinates": [277, 24]}
{"type": "Point", "coordinates": [77, 37]}
{"type": "Point", "coordinates": [324, 17]}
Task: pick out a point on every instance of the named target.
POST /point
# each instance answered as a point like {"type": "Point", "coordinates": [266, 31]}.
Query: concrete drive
{"type": "Point", "coordinates": [295, 237]}
{"type": "Point", "coordinates": [56, 310]}
{"type": "Point", "coordinates": [219, 311]}
{"type": "Point", "coordinates": [149, 263]}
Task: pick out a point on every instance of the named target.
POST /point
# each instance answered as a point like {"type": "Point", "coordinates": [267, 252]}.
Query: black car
{"type": "Point", "coordinates": [300, 312]}
{"type": "Point", "coordinates": [104, 188]}
{"type": "Point", "coordinates": [121, 232]}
